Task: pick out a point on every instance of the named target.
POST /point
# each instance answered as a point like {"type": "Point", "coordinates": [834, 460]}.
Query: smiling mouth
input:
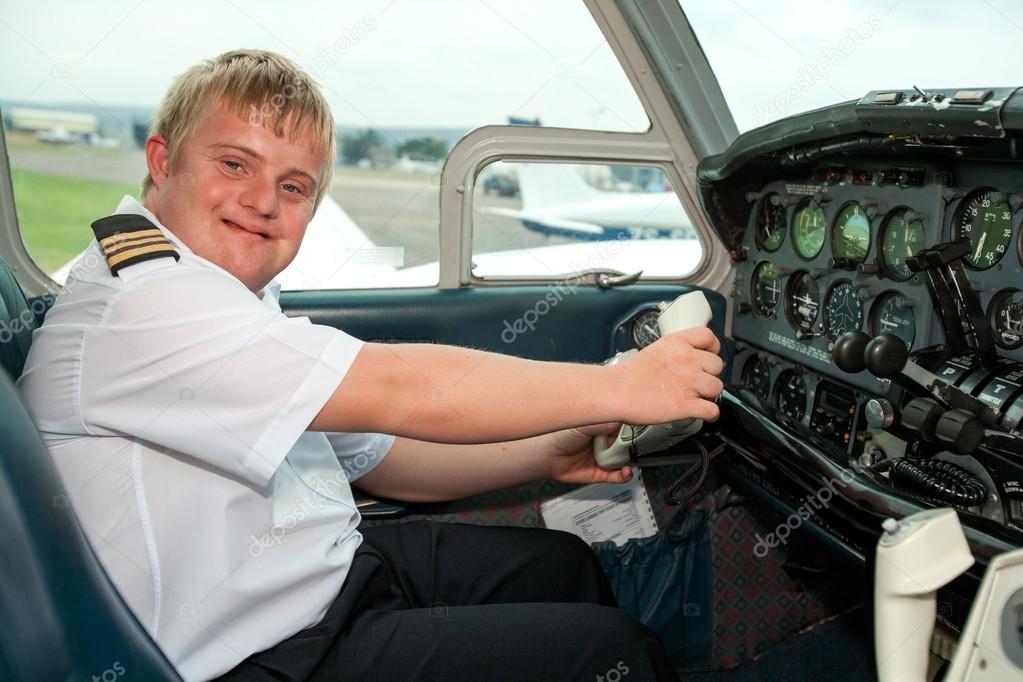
{"type": "Point", "coordinates": [252, 233]}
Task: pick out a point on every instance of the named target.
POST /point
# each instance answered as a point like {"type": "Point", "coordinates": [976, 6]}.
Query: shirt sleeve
{"type": "Point", "coordinates": [191, 361]}
{"type": "Point", "coordinates": [360, 453]}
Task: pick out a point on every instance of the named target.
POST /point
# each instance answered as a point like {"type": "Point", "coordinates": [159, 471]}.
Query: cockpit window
{"type": "Point", "coordinates": [405, 81]}
{"type": "Point", "coordinates": [555, 220]}
{"type": "Point", "coordinates": [774, 59]}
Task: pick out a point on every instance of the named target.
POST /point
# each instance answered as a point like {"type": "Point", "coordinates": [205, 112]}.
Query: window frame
{"type": "Point", "coordinates": [668, 144]}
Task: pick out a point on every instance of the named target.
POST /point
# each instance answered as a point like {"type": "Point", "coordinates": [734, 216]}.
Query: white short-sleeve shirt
{"type": "Point", "coordinates": [175, 403]}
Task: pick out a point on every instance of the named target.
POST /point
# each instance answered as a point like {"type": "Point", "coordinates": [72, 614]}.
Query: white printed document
{"type": "Point", "coordinates": [603, 511]}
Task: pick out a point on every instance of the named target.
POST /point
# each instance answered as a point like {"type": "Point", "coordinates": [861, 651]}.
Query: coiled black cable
{"type": "Point", "coordinates": [940, 480]}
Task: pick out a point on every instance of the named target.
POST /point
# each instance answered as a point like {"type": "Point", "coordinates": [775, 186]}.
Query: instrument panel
{"type": "Point", "coordinates": [899, 217]}
{"type": "Point", "coordinates": [827, 254]}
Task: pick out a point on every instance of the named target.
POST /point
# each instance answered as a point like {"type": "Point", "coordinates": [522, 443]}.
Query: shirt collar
{"type": "Point", "coordinates": [130, 205]}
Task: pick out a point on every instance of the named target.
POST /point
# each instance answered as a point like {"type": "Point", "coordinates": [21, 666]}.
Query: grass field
{"type": "Point", "coordinates": [55, 213]}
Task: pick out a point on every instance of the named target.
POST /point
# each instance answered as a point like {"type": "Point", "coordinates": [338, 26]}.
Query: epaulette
{"type": "Point", "coordinates": [129, 239]}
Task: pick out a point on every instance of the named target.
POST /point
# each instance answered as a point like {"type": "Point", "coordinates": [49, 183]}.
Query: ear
{"type": "Point", "coordinates": [158, 159]}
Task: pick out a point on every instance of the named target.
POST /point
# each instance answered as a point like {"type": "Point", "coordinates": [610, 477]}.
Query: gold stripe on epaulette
{"type": "Point", "coordinates": [117, 240]}
{"type": "Point", "coordinates": [122, 256]}
{"type": "Point", "coordinates": [128, 239]}
{"type": "Point", "coordinates": [134, 244]}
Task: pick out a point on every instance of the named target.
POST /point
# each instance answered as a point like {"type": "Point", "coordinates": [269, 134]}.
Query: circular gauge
{"type": "Point", "coordinates": [644, 328]}
{"type": "Point", "coordinates": [1005, 315]}
{"type": "Point", "coordinates": [765, 289]}
{"type": "Point", "coordinates": [850, 236]}
{"type": "Point", "coordinates": [843, 309]}
{"type": "Point", "coordinates": [756, 376]}
{"type": "Point", "coordinates": [900, 239]}
{"type": "Point", "coordinates": [771, 223]}
{"type": "Point", "coordinates": [802, 301]}
{"type": "Point", "coordinates": [808, 228]}
{"type": "Point", "coordinates": [790, 394]}
{"type": "Point", "coordinates": [893, 314]}
{"type": "Point", "coordinates": [984, 217]}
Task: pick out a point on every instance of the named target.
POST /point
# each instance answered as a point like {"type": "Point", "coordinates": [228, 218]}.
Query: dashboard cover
{"type": "Point", "coordinates": [885, 121]}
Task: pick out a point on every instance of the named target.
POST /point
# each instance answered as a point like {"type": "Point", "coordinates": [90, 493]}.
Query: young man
{"type": "Point", "coordinates": [208, 441]}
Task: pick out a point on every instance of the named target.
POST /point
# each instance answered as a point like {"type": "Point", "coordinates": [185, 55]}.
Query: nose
{"type": "Point", "coordinates": [260, 195]}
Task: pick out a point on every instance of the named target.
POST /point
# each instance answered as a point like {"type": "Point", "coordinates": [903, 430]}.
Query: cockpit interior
{"type": "Point", "coordinates": [856, 512]}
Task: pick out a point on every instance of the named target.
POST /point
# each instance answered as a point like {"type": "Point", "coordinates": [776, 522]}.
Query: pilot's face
{"type": "Point", "coordinates": [238, 196]}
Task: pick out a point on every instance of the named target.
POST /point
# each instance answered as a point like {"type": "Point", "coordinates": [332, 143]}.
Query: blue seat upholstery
{"type": "Point", "coordinates": [16, 323]}
{"type": "Point", "coordinates": [60, 617]}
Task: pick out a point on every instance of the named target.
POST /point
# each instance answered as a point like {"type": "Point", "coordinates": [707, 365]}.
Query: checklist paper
{"type": "Point", "coordinates": [603, 511]}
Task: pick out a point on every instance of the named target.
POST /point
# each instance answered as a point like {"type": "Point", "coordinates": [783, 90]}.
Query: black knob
{"type": "Point", "coordinates": [961, 430]}
{"type": "Point", "coordinates": [848, 351]}
{"type": "Point", "coordinates": [920, 417]}
{"type": "Point", "coordinates": [886, 355]}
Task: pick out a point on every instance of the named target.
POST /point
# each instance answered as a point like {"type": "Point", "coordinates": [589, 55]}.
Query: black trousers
{"type": "Point", "coordinates": [437, 601]}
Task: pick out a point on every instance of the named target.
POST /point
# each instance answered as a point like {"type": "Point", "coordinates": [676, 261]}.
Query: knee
{"type": "Point", "coordinates": [568, 545]}
{"type": "Point", "coordinates": [613, 626]}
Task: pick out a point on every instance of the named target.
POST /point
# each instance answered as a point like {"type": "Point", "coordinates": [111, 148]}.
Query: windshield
{"type": "Point", "coordinates": [778, 59]}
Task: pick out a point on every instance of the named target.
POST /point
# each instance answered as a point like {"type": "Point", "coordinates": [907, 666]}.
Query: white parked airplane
{"type": "Point", "coordinates": [556, 200]}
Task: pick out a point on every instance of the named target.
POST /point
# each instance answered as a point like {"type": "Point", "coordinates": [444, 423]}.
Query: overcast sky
{"type": "Point", "coordinates": [464, 63]}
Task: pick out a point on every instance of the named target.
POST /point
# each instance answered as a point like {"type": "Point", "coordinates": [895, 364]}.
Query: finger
{"type": "Point", "coordinates": [707, 385]}
{"type": "Point", "coordinates": [617, 476]}
{"type": "Point", "coordinates": [710, 363]}
{"type": "Point", "coordinates": [702, 338]}
{"type": "Point", "coordinates": [702, 409]}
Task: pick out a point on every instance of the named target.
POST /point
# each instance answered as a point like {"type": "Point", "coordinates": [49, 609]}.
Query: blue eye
{"type": "Point", "coordinates": [292, 188]}
{"type": "Point", "coordinates": [233, 165]}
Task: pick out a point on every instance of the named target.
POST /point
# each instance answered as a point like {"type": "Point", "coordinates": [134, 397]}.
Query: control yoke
{"type": "Point", "coordinates": [686, 311]}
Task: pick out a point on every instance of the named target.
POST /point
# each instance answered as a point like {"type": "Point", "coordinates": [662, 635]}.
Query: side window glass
{"type": "Point", "coordinates": [549, 219]}
{"type": "Point", "coordinates": [77, 112]}
{"type": "Point", "coordinates": [62, 184]}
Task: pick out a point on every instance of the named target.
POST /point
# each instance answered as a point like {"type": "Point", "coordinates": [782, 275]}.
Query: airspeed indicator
{"type": "Point", "coordinates": [809, 228]}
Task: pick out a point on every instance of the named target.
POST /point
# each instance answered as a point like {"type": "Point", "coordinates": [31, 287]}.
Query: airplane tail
{"type": "Point", "coordinates": [553, 184]}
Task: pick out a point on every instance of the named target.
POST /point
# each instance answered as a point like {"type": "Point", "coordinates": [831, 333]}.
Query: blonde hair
{"type": "Point", "coordinates": [266, 88]}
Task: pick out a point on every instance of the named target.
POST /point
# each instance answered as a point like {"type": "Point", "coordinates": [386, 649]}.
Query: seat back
{"type": "Point", "coordinates": [16, 323]}
{"type": "Point", "coordinates": [60, 617]}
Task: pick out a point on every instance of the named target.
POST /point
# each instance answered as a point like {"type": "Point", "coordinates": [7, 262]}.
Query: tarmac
{"type": "Point", "coordinates": [392, 210]}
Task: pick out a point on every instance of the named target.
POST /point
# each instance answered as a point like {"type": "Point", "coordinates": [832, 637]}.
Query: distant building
{"type": "Point", "coordinates": [45, 121]}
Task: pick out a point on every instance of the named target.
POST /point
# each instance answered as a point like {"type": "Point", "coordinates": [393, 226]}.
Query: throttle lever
{"type": "Point", "coordinates": [948, 282]}
{"type": "Point", "coordinates": [887, 357]}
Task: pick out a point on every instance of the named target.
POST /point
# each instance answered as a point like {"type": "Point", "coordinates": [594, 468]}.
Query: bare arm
{"type": "Point", "coordinates": [416, 471]}
{"type": "Point", "coordinates": [447, 394]}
